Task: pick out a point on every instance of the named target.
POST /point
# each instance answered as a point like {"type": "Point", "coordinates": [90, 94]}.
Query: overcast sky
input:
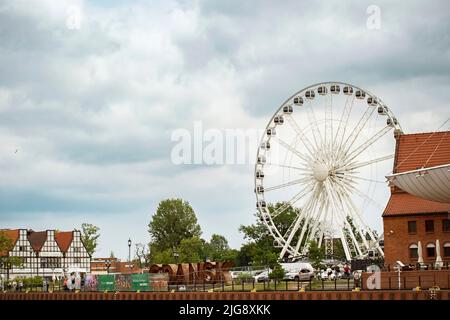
{"type": "Point", "coordinates": [88, 102]}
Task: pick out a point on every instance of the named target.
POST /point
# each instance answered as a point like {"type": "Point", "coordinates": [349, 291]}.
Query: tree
{"type": "Point", "coordinates": [315, 254]}
{"type": "Point", "coordinates": [7, 262]}
{"type": "Point", "coordinates": [277, 272]}
{"type": "Point", "coordinates": [111, 255]}
{"type": "Point", "coordinates": [192, 250]}
{"type": "Point", "coordinates": [89, 237]}
{"type": "Point", "coordinates": [217, 249]}
{"type": "Point", "coordinates": [143, 254]}
{"type": "Point", "coordinates": [163, 257]}
{"type": "Point", "coordinates": [173, 221]}
{"type": "Point", "coordinates": [264, 253]}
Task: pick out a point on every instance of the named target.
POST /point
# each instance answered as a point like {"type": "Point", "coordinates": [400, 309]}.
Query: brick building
{"type": "Point", "coordinates": [417, 229]}
{"type": "Point", "coordinates": [114, 265]}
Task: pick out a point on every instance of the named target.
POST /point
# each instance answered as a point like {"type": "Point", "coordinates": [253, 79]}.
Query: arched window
{"type": "Point", "coordinates": [431, 250]}
{"type": "Point", "coordinates": [413, 254]}
{"type": "Point", "coordinates": [447, 249]}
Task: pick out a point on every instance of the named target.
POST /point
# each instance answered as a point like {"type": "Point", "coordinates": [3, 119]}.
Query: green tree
{"type": "Point", "coordinates": [315, 254]}
{"type": "Point", "coordinates": [7, 262]}
{"type": "Point", "coordinates": [217, 249]}
{"type": "Point", "coordinates": [192, 250]}
{"type": "Point", "coordinates": [89, 237]}
{"type": "Point", "coordinates": [277, 272]}
{"type": "Point", "coordinates": [173, 221]}
{"type": "Point", "coordinates": [163, 257]}
{"type": "Point", "coordinates": [263, 252]}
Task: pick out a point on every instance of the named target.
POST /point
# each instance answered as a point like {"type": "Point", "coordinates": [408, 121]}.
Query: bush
{"type": "Point", "coordinates": [245, 277]}
{"type": "Point", "coordinates": [277, 272]}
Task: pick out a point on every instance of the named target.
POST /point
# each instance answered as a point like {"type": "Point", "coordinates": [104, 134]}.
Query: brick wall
{"type": "Point", "coordinates": [412, 279]}
{"type": "Point", "coordinates": [397, 239]}
{"type": "Point", "coordinates": [313, 295]}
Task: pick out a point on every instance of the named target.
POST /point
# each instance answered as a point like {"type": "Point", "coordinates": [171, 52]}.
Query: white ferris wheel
{"type": "Point", "coordinates": [325, 153]}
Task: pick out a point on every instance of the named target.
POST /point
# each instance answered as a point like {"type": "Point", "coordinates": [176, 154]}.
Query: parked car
{"type": "Point", "coordinates": [263, 276]}
{"type": "Point", "coordinates": [303, 275]}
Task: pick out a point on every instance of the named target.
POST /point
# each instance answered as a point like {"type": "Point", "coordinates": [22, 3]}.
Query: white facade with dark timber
{"type": "Point", "coordinates": [45, 253]}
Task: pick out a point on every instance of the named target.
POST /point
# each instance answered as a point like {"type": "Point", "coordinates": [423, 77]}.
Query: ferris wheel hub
{"type": "Point", "coordinates": [320, 171]}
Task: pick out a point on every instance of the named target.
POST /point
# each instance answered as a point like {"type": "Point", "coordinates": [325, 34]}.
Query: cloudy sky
{"type": "Point", "coordinates": [91, 91]}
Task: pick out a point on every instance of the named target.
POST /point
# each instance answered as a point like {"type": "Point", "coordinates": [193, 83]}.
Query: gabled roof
{"type": "Point", "coordinates": [37, 239]}
{"type": "Point", "coordinates": [414, 151]}
{"type": "Point", "coordinates": [420, 150]}
{"type": "Point", "coordinates": [64, 239]}
{"type": "Point", "coordinates": [13, 235]}
{"type": "Point", "coordinates": [405, 203]}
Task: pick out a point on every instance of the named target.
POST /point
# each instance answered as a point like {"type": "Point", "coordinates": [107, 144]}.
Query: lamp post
{"type": "Point", "coordinates": [129, 250]}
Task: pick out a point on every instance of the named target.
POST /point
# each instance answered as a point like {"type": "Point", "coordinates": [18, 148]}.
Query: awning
{"type": "Point", "coordinates": [427, 183]}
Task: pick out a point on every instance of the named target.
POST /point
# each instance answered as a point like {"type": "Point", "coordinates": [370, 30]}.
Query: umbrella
{"type": "Point", "coordinates": [419, 252]}
{"type": "Point", "coordinates": [439, 261]}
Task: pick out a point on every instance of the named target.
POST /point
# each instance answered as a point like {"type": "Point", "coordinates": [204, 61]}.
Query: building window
{"type": "Point", "coordinates": [413, 254]}
{"type": "Point", "coordinates": [447, 249]}
{"type": "Point", "coordinates": [412, 226]}
{"type": "Point", "coordinates": [429, 226]}
{"type": "Point", "coordinates": [431, 250]}
{"type": "Point", "coordinates": [446, 225]}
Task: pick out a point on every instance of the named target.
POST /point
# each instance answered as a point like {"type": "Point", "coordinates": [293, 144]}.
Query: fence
{"type": "Point", "coordinates": [160, 283]}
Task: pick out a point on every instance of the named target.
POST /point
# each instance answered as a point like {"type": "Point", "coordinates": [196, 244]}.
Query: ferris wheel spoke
{"type": "Point", "coordinates": [297, 223]}
{"type": "Point", "coordinates": [317, 136]}
{"type": "Point", "coordinates": [357, 165]}
{"type": "Point", "coordinates": [300, 134]}
{"type": "Point", "coordinates": [306, 190]}
{"type": "Point", "coordinates": [328, 141]}
{"type": "Point", "coordinates": [361, 148]}
{"type": "Point", "coordinates": [356, 131]}
{"type": "Point", "coordinates": [294, 151]}
{"type": "Point", "coordinates": [350, 188]}
{"type": "Point", "coordinates": [289, 167]}
{"type": "Point", "coordinates": [311, 231]}
{"type": "Point", "coordinates": [364, 179]}
{"type": "Point", "coordinates": [357, 217]}
{"type": "Point", "coordinates": [310, 216]}
{"type": "Point", "coordinates": [335, 210]}
{"type": "Point", "coordinates": [320, 199]}
{"type": "Point", "coordinates": [288, 184]}
{"type": "Point", "coordinates": [348, 228]}
{"type": "Point", "coordinates": [343, 123]}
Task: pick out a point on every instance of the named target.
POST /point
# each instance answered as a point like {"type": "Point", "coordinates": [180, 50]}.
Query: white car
{"type": "Point", "coordinates": [263, 276]}
{"type": "Point", "coordinates": [303, 275]}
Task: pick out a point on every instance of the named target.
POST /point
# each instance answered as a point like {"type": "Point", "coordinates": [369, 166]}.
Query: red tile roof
{"type": "Point", "coordinates": [13, 235]}
{"type": "Point", "coordinates": [414, 151]}
{"type": "Point", "coordinates": [64, 239]}
{"type": "Point", "coordinates": [37, 239]}
{"type": "Point", "coordinates": [405, 203]}
{"type": "Point", "coordinates": [419, 150]}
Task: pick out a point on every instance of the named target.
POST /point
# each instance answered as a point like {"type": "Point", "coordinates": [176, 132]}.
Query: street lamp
{"type": "Point", "coordinates": [129, 250]}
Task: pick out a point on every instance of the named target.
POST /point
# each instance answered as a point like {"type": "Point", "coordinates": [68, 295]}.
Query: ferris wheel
{"type": "Point", "coordinates": [325, 152]}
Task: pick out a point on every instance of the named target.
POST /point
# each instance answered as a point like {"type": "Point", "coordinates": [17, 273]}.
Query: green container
{"type": "Point", "coordinates": [139, 282]}
{"type": "Point", "coordinates": [106, 282]}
